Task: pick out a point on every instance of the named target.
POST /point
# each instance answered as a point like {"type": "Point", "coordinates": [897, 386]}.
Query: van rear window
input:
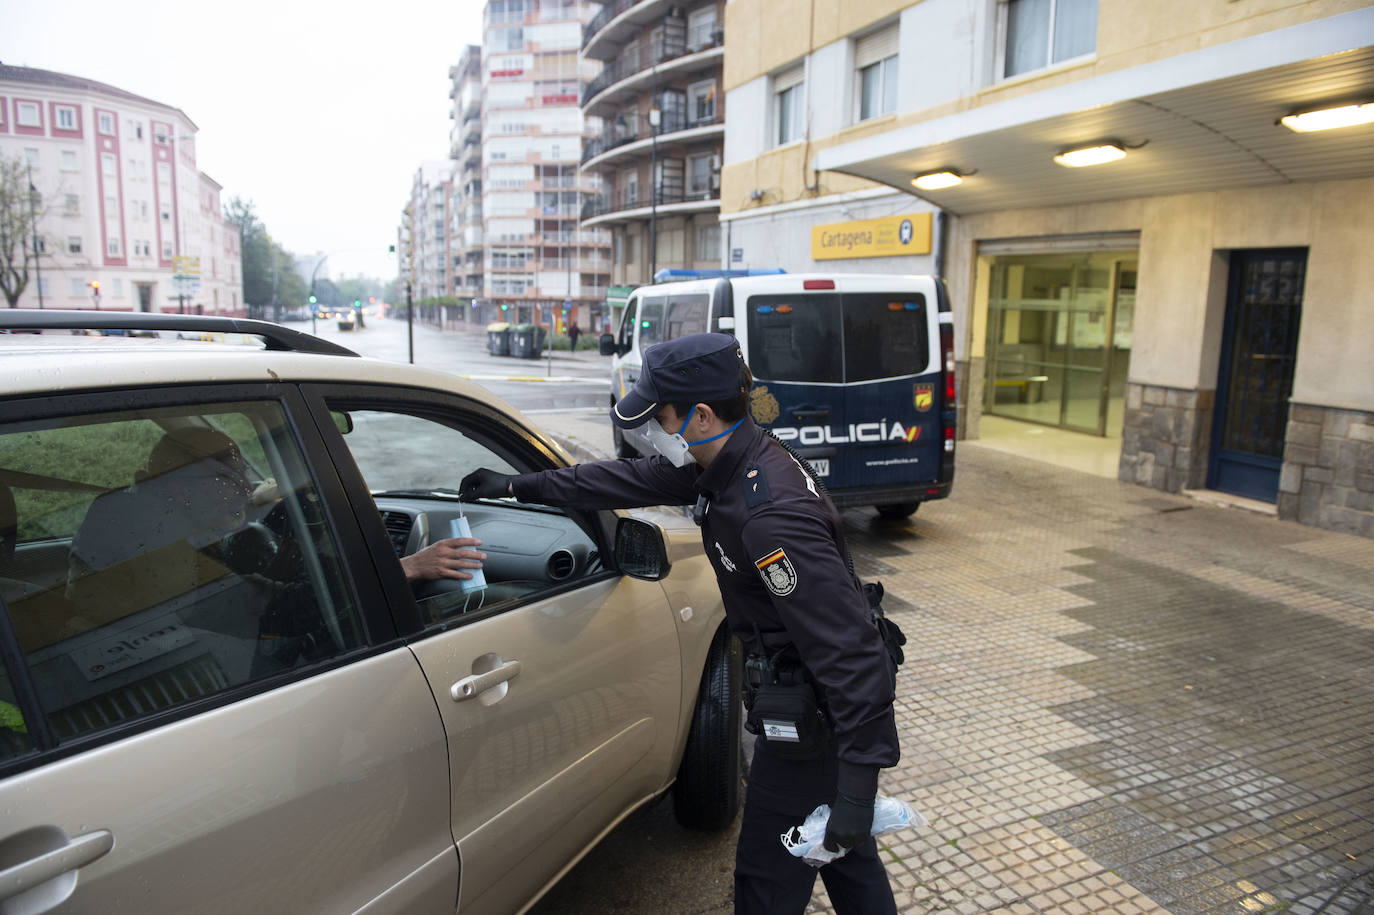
{"type": "Point", "coordinates": [838, 338]}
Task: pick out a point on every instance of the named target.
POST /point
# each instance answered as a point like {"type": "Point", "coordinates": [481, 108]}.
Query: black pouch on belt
{"type": "Point", "coordinates": [787, 717]}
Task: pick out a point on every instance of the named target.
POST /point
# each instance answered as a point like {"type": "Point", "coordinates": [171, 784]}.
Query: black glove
{"type": "Point", "coordinates": [850, 823]}
{"type": "Point", "coordinates": [484, 484]}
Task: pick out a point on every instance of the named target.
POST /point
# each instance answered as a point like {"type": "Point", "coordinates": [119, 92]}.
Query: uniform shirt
{"type": "Point", "coordinates": [774, 542]}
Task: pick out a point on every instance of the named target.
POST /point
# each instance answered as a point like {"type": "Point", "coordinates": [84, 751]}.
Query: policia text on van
{"type": "Point", "coordinates": [854, 371]}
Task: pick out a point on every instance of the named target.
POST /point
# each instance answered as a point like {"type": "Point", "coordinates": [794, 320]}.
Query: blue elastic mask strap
{"type": "Point", "coordinates": [687, 420]}
{"type": "Point", "coordinates": [721, 435]}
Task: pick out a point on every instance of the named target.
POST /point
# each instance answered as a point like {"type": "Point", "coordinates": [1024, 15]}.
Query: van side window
{"type": "Point", "coordinates": [626, 337]}
{"type": "Point", "coordinates": [686, 315]}
{"type": "Point", "coordinates": [795, 338]}
{"type": "Point", "coordinates": [651, 320]}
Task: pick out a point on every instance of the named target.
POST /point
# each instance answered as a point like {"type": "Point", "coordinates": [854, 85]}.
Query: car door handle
{"type": "Point", "coordinates": [468, 687]}
{"type": "Point", "coordinates": [40, 869]}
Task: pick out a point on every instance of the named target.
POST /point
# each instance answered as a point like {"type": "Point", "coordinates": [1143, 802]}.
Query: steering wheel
{"type": "Point", "coordinates": [250, 549]}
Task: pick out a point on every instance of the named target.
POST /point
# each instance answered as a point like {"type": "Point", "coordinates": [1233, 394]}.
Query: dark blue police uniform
{"type": "Point", "coordinates": [774, 539]}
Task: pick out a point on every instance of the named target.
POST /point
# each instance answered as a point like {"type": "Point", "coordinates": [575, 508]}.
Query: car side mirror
{"type": "Point", "coordinates": [606, 342]}
{"type": "Point", "coordinates": [342, 421]}
{"type": "Point", "coordinates": [640, 551]}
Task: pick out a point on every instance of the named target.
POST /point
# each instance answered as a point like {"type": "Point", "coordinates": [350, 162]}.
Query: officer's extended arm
{"type": "Point", "coordinates": [594, 485]}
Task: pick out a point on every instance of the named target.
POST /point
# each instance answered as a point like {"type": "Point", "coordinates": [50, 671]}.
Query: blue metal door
{"type": "Point", "coordinates": [1255, 379]}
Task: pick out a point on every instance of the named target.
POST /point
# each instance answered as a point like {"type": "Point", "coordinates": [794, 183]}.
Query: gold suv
{"type": "Point", "coordinates": [218, 691]}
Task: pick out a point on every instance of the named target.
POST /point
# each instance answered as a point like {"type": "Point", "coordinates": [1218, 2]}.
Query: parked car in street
{"type": "Point", "coordinates": [218, 691]}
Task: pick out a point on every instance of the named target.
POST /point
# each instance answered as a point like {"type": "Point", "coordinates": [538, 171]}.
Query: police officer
{"type": "Point", "coordinates": [774, 540]}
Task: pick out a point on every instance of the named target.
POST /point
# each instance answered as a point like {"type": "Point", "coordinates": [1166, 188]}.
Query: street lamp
{"type": "Point", "coordinates": [655, 116]}
{"type": "Point", "coordinates": [37, 256]}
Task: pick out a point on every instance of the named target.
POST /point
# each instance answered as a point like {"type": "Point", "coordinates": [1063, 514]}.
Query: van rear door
{"type": "Point", "coordinates": [851, 379]}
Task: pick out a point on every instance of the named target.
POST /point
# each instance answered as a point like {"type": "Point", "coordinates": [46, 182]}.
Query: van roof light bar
{"type": "Point", "coordinates": [274, 336]}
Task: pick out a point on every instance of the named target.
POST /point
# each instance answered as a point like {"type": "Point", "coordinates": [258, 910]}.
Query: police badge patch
{"type": "Point", "coordinates": [777, 573]}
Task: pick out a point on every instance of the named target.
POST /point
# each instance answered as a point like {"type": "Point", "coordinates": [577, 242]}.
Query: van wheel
{"type": "Point", "coordinates": [706, 794]}
{"type": "Point", "coordinates": [897, 511]}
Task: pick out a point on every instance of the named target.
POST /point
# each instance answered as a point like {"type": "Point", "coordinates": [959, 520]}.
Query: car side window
{"type": "Point", "coordinates": [413, 466]}
{"type": "Point", "coordinates": [651, 321]}
{"type": "Point", "coordinates": [168, 555]}
{"type": "Point", "coordinates": [686, 315]}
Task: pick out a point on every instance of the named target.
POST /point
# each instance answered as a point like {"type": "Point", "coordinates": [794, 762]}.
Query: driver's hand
{"type": "Point", "coordinates": [265, 492]}
{"type": "Point", "coordinates": [484, 484]}
{"type": "Point", "coordinates": [444, 559]}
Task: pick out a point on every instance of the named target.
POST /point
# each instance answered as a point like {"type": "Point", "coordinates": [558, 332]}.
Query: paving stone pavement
{"type": "Point", "coordinates": [1118, 700]}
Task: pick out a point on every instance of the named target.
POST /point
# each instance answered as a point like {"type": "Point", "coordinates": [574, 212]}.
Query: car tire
{"type": "Point", "coordinates": [897, 511]}
{"type": "Point", "coordinates": [707, 792]}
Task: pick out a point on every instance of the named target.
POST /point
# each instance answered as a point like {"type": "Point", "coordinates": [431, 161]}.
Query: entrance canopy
{"type": "Point", "coordinates": [1194, 122]}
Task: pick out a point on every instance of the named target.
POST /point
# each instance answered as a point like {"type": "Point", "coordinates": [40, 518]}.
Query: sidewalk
{"type": "Point", "coordinates": [1114, 700]}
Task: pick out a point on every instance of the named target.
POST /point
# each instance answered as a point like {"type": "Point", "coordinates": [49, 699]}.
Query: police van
{"type": "Point", "coordinates": [854, 371]}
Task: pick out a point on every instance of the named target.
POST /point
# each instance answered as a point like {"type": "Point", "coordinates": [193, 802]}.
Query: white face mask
{"type": "Point", "coordinates": [672, 446]}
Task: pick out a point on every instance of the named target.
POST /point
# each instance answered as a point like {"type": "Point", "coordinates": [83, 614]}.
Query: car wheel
{"type": "Point", "coordinates": [706, 794]}
{"type": "Point", "coordinates": [897, 511]}
{"type": "Point", "coordinates": [623, 449]}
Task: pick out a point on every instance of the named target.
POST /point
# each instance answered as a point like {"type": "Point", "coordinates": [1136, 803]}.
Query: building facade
{"type": "Point", "coordinates": [661, 107]}
{"type": "Point", "coordinates": [125, 220]}
{"type": "Point", "coordinates": [426, 231]}
{"type": "Point", "coordinates": [1136, 246]}
{"type": "Point", "coordinates": [466, 249]}
{"type": "Point", "coordinates": [538, 263]}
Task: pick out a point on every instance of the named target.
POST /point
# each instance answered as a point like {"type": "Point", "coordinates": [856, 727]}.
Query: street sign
{"type": "Point", "coordinates": [184, 264]}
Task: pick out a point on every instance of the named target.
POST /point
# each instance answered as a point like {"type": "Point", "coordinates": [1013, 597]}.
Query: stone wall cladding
{"type": "Point", "coordinates": [1328, 469]}
{"type": "Point", "coordinates": [1165, 437]}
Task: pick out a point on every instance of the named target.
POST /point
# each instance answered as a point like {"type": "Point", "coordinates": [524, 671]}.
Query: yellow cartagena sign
{"type": "Point", "coordinates": [889, 236]}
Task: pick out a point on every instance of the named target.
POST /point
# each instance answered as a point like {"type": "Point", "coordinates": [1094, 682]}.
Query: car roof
{"type": "Point", "coordinates": [63, 363]}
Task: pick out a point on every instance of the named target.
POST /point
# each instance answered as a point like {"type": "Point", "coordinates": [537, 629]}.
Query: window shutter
{"type": "Point", "coordinates": [875, 46]}
{"type": "Point", "coordinates": [789, 78]}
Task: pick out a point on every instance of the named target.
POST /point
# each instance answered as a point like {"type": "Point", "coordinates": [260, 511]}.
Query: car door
{"type": "Point", "coordinates": [211, 710]}
{"type": "Point", "coordinates": [559, 682]}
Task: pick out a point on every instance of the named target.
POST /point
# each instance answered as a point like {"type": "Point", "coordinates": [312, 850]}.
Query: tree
{"type": "Point", "coordinates": [257, 251]}
{"type": "Point", "coordinates": [20, 206]}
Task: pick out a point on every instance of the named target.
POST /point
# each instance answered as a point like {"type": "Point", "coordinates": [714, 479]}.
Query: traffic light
{"type": "Point", "coordinates": [372, 300]}
{"type": "Point", "coordinates": [357, 303]}
{"type": "Point", "coordinates": [312, 300]}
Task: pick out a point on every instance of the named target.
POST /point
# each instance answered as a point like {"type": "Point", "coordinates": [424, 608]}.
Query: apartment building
{"type": "Point", "coordinates": [125, 220]}
{"type": "Point", "coordinates": [466, 250]}
{"type": "Point", "coordinates": [425, 231]}
{"type": "Point", "coordinates": [659, 100]}
{"type": "Point", "coordinates": [538, 263]}
{"type": "Point", "coordinates": [1147, 234]}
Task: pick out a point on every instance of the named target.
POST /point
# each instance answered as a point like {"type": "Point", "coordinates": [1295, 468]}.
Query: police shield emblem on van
{"type": "Point", "coordinates": [923, 395]}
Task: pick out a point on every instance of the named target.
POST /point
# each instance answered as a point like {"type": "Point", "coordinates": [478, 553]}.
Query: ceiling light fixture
{"type": "Point", "coordinates": [935, 181]}
{"type": "Point", "coordinates": [1329, 118]}
{"type": "Point", "coordinates": [1091, 155]}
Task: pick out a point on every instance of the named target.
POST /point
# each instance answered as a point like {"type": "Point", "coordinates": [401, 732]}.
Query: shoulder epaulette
{"type": "Point", "coordinates": [755, 487]}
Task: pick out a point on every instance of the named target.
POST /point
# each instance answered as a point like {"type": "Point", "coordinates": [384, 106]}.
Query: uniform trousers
{"type": "Point", "coordinates": [768, 879]}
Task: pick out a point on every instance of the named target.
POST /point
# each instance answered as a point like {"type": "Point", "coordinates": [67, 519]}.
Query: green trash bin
{"type": "Point", "coordinates": [498, 338]}
{"type": "Point", "coordinates": [527, 341]}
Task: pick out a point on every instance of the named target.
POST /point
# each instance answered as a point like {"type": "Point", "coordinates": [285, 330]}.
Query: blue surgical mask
{"type": "Point", "coordinates": [674, 447]}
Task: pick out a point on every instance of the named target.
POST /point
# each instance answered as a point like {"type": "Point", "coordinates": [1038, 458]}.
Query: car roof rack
{"type": "Point", "coordinates": [274, 336]}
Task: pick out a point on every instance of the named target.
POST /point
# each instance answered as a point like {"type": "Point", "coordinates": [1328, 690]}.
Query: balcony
{"type": "Point", "coordinates": [633, 70]}
{"type": "Point", "coordinates": [632, 205]}
{"type": "Point", "coordinates": [619, 21]}
{"type": "Point", "coordinates": [621, 138]}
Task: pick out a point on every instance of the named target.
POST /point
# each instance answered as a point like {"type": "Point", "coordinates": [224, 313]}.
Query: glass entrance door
{"type": "Point", "coordinates": [1059, 338]}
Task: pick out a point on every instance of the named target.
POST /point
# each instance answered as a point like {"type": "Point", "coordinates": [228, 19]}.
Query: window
{"type": "Point", "coordinates": [166, 250]}
{"type": "Point", "coordinates": [701, 102]}
{"type": "Point", "coordinates": [875, 66]}
{"type": "Point", "coordinates": [701, 27]}
{"type": "Point", "coordinates": [66, 117]}
{"type": "Point", "coordinates": [31, 157]}
{"type": "Point", "coordinates": [106, 123]}
{"type": "Point", "coordinates": [107, 165]}
{"type": "Point", "coordinates": [788, 91]}
{"type": "Point", "coordinates": [686, 315]}
{"type": "Point", "coordinates": [699, 174]}
{"type": "Point", "coordinates": [1037, 33]}
{"type": "Point", "coordinates": [78, 286]}
{"type": "Point", "coordinates": [40, 245]}
{"type": "Point", "coordinates": [112, 247]}
{"type": "Point", "coordinates": [529, 548]}
{"type": "Point", "coordinates": [117, 288]}
{"type": "Point", "coordinates": [632, 188]}
{"type": "Point", "coordinates": [71, 204]}
{"type": "Point", "coordinates": [69, 160]}
{"type": "Point", "coordinates": [200, 560]}
{"type": "Point", "coordinates": [73, 244]}
{"type": "Point", "coordinates": [508, 39]}
{"type": "Point", "coordinates": [166, 212]}
{"type": "Point", "coordinates": [708, 243]}
{"type": "Point", "coordinates": [28, 114]}
{"type": "Point", "coordinates": [138, 130]}
{"type": "Point", "coordinates": [835, 339]}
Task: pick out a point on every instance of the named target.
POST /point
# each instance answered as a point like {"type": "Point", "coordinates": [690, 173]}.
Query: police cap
{"type": "Point", "coordinates": [697, 368]}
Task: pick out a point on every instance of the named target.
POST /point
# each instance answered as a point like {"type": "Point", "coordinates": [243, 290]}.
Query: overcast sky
{"type": "Point", "coordinates": [319, 112]}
